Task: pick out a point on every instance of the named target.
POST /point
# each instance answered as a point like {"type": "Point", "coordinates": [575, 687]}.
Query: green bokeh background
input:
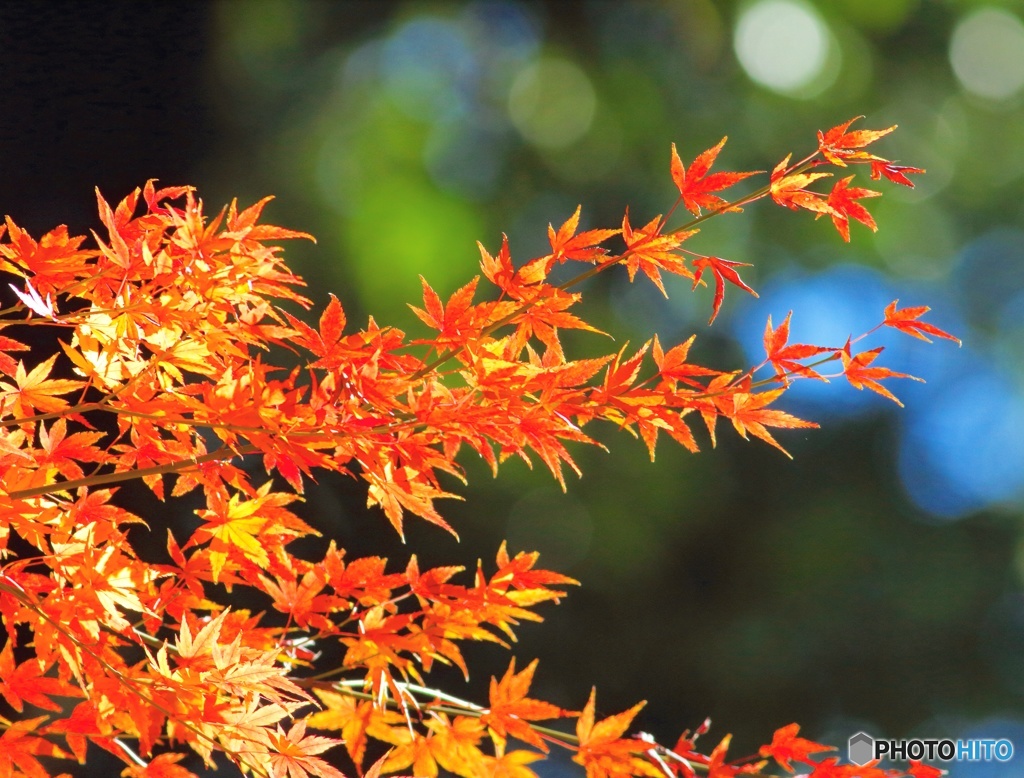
{"type": "Point", "coordinates": [735, 584]}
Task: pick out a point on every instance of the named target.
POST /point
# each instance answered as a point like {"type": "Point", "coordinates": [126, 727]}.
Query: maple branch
{"type": "Point", "coordinates": [462, 707]}
{"type": "Point", "coordinates": [805, 164]}
{"type": "Point", "coordinates": [128, 475]}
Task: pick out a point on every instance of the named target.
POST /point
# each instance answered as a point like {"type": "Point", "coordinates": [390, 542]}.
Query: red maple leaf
{"type": "Point", "coordinates": [649, 250]}
{"type": "Point", "coordinates": [895, 173]}
{"type": "Point", "coordinates": [858, 372]}
{"type": "Point", "coordinates": [29, 683]}
{"type": "Point", "coordinates": [566, 244]}
{"type": "Point", "coordinates": [785, 358]}
{"type": "Point", "coordinates": [723, 271]}
{"type": "Point", "coordinates": [843, 201]}
{"type": "Point", "coordinates": [790, 189]}
{"type": "Point", "coordinates": [786, 747]}
{"type": "Point", "coordinates": [906, 320]}
{"type": "Point", "coordinates": [695, 185]}
{"type": "Point", "coordinates": [748, 413]}
{"type": "Point", "coordinates": [918, 770]}
{"type": "Point", "coordinates": [837, 145]}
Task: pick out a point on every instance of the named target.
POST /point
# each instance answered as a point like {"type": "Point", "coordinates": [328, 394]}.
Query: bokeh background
{"type": "Point", "coordinates": [875, 582]}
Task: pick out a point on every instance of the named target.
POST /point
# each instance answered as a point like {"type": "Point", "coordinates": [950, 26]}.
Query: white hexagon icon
{"type": "Point", "coordinates": [861, 749]}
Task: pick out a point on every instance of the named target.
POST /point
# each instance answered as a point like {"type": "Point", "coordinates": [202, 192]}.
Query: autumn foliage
{"type": "Point", "coordinates": [169, 325]}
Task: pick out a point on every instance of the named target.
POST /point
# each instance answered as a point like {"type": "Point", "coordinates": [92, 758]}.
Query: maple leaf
{"type": "Point", "coordinates": [672, 364]}
{"type": "Point", "coordinates": [511, 764]}
{"type": "Point", "coordinates": [241, 528]}
{"type": "Point", "coordinates": [650, 251]}
{"type": "Point", "coordinates": [510, 708]}
{"type": "Point", "coordinates": [602, 749]}
{"type": "Point", "coordinates": [789, 189]}
{"type": "Point", "coordinates": [906, 320]}
{"type": "Point", "coordinates": [918, 770]}
{"type": "Point", "coordinates": [837, 145]}
{"type": "Point", "coordinates": [787, 747]}
{"type": "Point", "coordinates": [454, 743]}
{"type": "Point", "coordinates": [301, 599]}
{"type": "Point", "coordinates": [293, 754]}
{"type": "Point", "coordinates": [749, 414]}
{"type": "Point", "coordinates": [719, 768]}
{"type": "Point", "coordinates": [895, 173]}
{"type": "Point", "coordinates": [451, 321]}
{"type": "Point", "coordinates": [566, 244]}
{"type": "Point", "coordinates": [785, 357]}
{"type": "Point", "coordinates": [843, 201]}
{"type": "Point", "coordinates": [498, 269]}
{"type": "Point", "coordinates": [694, 183]}
{"type": "Point", "coordinates": [33, 392]}
{"type": "Point", "coordinates": [723, 271]}
{"type": "Point", "coordinates": [54, 262]}
{"type": "Point", "coordinates": [349, 715]}
{"type": "Point", "coordinates": [19, 748]}
{"type": "Point", "coordinates": [29, 683]}
{"type": "Point", "coordinates": [323, 342]}
{"type": "Point", "coordinates": [860, 374]}
{"type": "Point", "coordinates": [7, 364]}
{"type": "Point", "coordinates": [160, 766]}
{"type": "Point", "coordinates": [66, 452]}
{"type": "Point", "coordinates": [518, 573]}
{"type": "Point", "coordinates": [30, 297]}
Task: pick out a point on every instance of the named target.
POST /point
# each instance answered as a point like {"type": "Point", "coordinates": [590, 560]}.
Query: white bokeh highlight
{"type": "Point", "coordinates": [783, 45]}
{"type": "Point", "coordinates": [987, 53]}
{"type": "Point", "coordinates": [552, 103]}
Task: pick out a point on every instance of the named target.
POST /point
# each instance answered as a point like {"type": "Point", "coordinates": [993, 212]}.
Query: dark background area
{"type": "Point", "coordinates": [873, 582]}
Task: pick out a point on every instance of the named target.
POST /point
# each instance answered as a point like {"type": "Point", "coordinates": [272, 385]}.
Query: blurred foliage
{"type": "Point", "coordinates": [873, 583]}
{"type": "Point", "coordinates": [734, 584]}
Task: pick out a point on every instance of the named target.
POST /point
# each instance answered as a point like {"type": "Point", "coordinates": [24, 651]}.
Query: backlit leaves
{"type": "Point", "coordinates": [696, 183]}
{"type": "Point", "coordinates": [787, 747]}
{"type": "Point", "coordinates": [170, 332]}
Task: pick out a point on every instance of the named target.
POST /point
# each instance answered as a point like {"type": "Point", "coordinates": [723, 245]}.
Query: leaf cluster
{"type": "Point", "coordinates": [167, 326]}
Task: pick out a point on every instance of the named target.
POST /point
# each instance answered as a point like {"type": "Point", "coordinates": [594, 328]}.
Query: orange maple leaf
{"type": "Point", "coordinates": [784, 357]}
{"type": "Point", "coordinates": [786, 747]}
{"type": "Point", "coordinates": [511, 709]}
{"type": "Point", "coordinates": [906, 320]}
{"type": "Point", "coordinates": [672, 364]}
{"type": "Point", "coordinates": [858, 372]}
{"type": "Point", "coordinates": [749, 414]}
{"type": "Point", "coordinates": [34, 391]}
{"type": "Point", "coordinates": [918, 770]}
{"type": "Point", "coordinates": [603, 750]}
{"type": "Point", "coordinates": [719, 768]}
{"type": "Point", "coordinates": [650, 251]}
{"type": "Point", "coordinates": [694, 183]}
{"type": "Point", "coordinates": [160, 766]}
{"type": "Point", "coordinates": [790, 189]}
{"type": "Point", "coordinates": [293, 754]}
{"type": "Point", "coordinates": [723, 271]}
{"type": "Point", "coordinates": [843, 201]}
{"type": "Point", "coordinates": [566, 244]}
{"type": "Point", "coordinates": [837, 145]}
{"type": "Point", "coordinates": [895, 173]}
{"type": "Point", "coordinates": [19, 747]}
{"type": "Point", "coordinates": [29, 683]}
